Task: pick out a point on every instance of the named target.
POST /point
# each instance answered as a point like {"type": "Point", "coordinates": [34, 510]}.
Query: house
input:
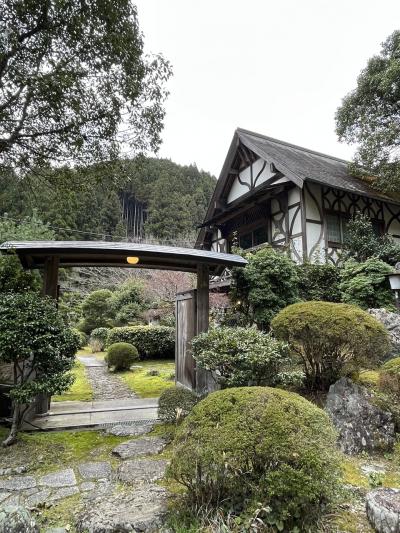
{"type": "Point", "coordinates": [270, 191]}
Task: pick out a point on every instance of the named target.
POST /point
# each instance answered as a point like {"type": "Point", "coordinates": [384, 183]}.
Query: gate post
{"type": "Point", "coordinates": [50, 288]}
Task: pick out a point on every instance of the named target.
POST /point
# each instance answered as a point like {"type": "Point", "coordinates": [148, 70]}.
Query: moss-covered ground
{"type": "Point", "coordinates": [146, 385]}
{"type": "Point", "coordinates": [80, 390]}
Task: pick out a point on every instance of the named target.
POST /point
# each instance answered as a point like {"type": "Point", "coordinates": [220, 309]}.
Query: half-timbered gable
{"type": "Point", "coordinates": [273, 192]}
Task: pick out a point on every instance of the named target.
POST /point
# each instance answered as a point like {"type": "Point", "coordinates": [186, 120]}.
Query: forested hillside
{"type": "Point", "coordinates": [149, 197]}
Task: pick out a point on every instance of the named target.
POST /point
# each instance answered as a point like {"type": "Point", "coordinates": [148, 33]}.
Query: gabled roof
{"type": "Point", "coordinates": [296, 163]}
{"type": "Point", "coordinates": [33, 254]}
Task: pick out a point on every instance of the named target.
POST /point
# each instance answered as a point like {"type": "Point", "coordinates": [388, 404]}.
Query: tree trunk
{"type": "Point", "coordinates": [16, 420]}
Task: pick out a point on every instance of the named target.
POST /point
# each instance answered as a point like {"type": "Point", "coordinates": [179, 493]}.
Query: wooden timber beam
{"type": "Point", "coordinates": [204, 381]}
{"type": "Point", "coordinates": [50, 277]}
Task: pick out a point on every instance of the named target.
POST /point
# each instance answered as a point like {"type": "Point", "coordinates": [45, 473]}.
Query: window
{"type": "Point", "coordinates": [253, 238]}
{"type": "Point", "coordinates": [336, 227]}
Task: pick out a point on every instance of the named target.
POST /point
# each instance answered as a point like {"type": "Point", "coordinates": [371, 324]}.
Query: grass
{"type": "Point", "coordinates": [80, 390]}
{"type": "Point", "coordinates": [146, 386]}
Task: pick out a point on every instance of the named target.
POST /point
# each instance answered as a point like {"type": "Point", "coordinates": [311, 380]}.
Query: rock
{"type": "Point", "coordinates": [61, 478]}
{"type": "Point", "coordinates": [121, 430]}
{"type": "Point", "coordinates": [361, 425]}
{"type": "Point", "coordinates": [16, 519]}
{"type": "Point", "coordinates": [141, 510]}
{"type": "Point", "coordinates": [57, 530]}
{"type": "Point", "coordinates": [63, 492]}
{"type": "Point", "coordinates": [140, 470]}
{"type": "Point", "coordinates": [144, 446]}
{"type": "Point", "coordinates": [15, 470]}
{"type": "Point", "coordinates": [18, 483]}
{"type": "Point", "coordinates": [383, 510]}
{"type": "Point", "coordinates": [373, 469]}
{"type": "Point", "coordinates": [39, 498]}
{"type": "Point", "coordinates": [391, 321]}
{"type": "Point", "coordinates": [4, 496]}
{"type": "Point", "coordinates": [87, 486]}
{"type": "Point", "coordinates": [13, 499]}
{"type": "Point", "coordinates": [95, 470]}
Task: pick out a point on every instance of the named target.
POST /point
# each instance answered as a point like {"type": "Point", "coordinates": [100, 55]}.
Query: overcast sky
{"type": "Point", "coordinates": [279, 68]}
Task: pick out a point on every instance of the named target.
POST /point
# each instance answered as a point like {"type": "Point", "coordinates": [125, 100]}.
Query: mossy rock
{"type": "Point", "coordinates": [241, 446]}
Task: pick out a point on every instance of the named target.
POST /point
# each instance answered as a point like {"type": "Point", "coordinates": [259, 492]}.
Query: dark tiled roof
{"type": "Point", "coordinates": [98, 253]}
{"type": "Point", "coordinates": [301, 164]}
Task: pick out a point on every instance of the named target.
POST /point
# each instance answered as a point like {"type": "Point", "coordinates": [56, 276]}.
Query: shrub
{"type": "Point", "coordinates": [331, 339]}
{"type": "Point", "coordinates": [241, 356]}
{"type": "Point", "coordinates": [175, 404]}
{"type": "Point", "coordinates": [98, 339]}
{"type": "Point", "coordinates": [81, 337]}
{"type": "Point", "coordinates": [121, 355]}
{"type": "Point", "coordinates": [257, 446]}
{"type": "Point", "coordinates": [389, 377]}
{"type": "Point", "coordinates": [366, 284]}
{"type": "Point", "coordinates": [152, 342]}
{"type": "Point", "coordinates": [266, 285]}
{"type": "Point", "coordinates": [96, 310]}
{"type": "Point", "coordinates": [41, 349]}
{"type": "Point", "coordinates": [319, 282]}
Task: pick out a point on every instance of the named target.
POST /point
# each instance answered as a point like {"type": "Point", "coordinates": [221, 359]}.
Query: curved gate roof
{"type": "Point", "coordinates": [33, 254]}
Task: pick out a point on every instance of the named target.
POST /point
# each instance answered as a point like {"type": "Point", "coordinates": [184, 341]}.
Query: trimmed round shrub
{"type": "Point", "coordinates": [98, 338]}
{"type": "Point", "coordinates": [242, 356]}
{"type": "Point", "coordinates": [245, 448]}
{"type": "Point", "coordinates": [152, 342]}
{"type": "Point", "coordinates": [175, 404]}
{"type": "Point", "coordinates": [121, 356]}
{"type": "Point", "coordinates": [331, 339]}
{"type": "Point", "coordinates": [82, 337]}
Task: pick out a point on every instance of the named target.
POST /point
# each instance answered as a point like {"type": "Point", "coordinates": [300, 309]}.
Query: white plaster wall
{"type": "Point", "coordinates": [237, 190]}
{"type": "Point", "coordinates": [295, 218]}
{"type": "Point", "coordinates": [293, 195]}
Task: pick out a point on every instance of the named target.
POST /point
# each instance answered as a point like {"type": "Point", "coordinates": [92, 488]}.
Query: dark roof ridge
{"type": "Point", "coordinates": [285, 143]}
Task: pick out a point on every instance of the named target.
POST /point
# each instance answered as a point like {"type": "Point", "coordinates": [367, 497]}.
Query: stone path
{"type": "Point", "coordinates": [136, 505]}
{"type": "Point", "coordinates": [105, 385]}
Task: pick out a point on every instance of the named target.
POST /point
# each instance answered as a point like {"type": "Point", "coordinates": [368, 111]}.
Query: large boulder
{"type": "Point", "coordinates": [16, 519]}
{"type": "Point", "coordinates": [391, 321]}
{"type": "Point", "coordinates": [383, 510]}
{"type": "Point", "coordinates": [361, 425]}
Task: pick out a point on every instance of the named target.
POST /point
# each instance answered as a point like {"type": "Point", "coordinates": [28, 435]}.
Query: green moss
{"type": "Point", "coordinates": [47, 451]}
{"type": "Point", "coordinates": [369, 377]}
{"type": "Point", "coordinates": [352, 474]}
{"type": "Point", "coordinates": [350, 522]}
{"type": "Point", "coordinates": [392, 364]}
{"type": "Point", "coordinates": [60, 514]}
{"type": "Point", "coordinates": [146, 386]}
{"type": "Point", "coordinates": [80, 390]}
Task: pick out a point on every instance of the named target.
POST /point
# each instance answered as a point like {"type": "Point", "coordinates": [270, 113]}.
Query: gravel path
{"type": "Point", "coordinates": [105, 385]}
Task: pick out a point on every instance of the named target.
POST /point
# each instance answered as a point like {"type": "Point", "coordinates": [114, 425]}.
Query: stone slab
{"type": "Point", "coordinates": [4, 496]}
{"type": "Point", "coordinates": [61, 478]}
{"type": "Point", "coordinates": [133, 430]}
{"type": "Point", "coordinates": [141, 446]}
{"type": "Point", "coordinates": [39, 498]}
{"type": "Point", "coordinates": [86, 486]}
{"type": "Point", "coordinates": [95, 470]}
{"type": "Point", "coordinates": [63, 492]}
{"type": "Point", "coordinates": [18, 483]}
{"type": "Point", "coordinates": [141, 470]}
{"type": "Point", "coordinates": [141, 510]}
{"type": "Point", "coordinates": [383, 510]}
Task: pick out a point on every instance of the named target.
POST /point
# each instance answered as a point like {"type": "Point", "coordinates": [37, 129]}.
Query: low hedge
{"type": "Point", "coordinates": [244, 448]}
{"type": "Point", "coordinates": [152, 342]}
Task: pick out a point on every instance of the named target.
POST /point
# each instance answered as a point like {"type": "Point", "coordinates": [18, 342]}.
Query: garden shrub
{"type": "Point", "coordinates": [319, 282]}
{"type": "Point", "coordinates": [98, 339]}
{"type": "Point", "coordinates": [242, 356]}
{"type": "Point", "coordinates": [175, 404]}
{"type": "Point", "coordinates": [82, 338]}
{"type": "Point", "coordinates": [366, 284]}
{"type": "Point", "coordinates": [121, 356]}
{"type": "Point", "coordinates": [267, 284]}
{"type": "Point", "coordinates": [331, 339]}
{"type": "Point", "coordinates": [152, 342]}
{"type": "Point", "coordinates": [249, 447]}
{"type": "Point", "coordinates": [389, 377]}
{"type": "Point", "coordinates": [97, 311]}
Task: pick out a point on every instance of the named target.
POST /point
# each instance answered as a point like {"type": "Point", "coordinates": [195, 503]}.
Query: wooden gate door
{"type": "Point", "coordinates": [185, 331]}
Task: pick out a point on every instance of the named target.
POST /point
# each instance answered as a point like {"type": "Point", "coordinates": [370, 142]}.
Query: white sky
{"type": "Point", "coordinates": [279, 68]}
